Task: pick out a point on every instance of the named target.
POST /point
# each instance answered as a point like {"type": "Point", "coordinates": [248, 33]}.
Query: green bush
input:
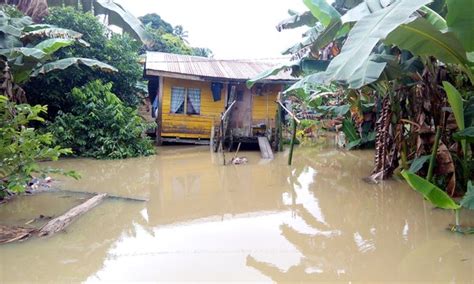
{"type": "Point", "coordinates": [120, 51]}
{"type": "Point", "coordinates": [101, 126]}
{"type": "Point", "coordinates": [21, 146]}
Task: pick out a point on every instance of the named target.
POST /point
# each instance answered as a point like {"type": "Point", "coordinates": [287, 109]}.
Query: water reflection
{"type": "Point", "coordinates": [316, 220]}
{"type": "Point", "coordinates": [363, 232]}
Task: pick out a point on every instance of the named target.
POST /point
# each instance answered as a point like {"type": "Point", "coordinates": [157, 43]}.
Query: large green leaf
{"type": "Point", "coordinates": [275, 70]}
{"type": "Point", "coordinates": [466, 134]}
{"type": "Point", "coordinates": [430, 191]}
{"type": "Point", "coordinates": [455, 101]}
{"type": "Point", "coordinates": [434, 18]}
{"type": "Point", "coordinates": [119, 16]}
{"type": "Point", "coordinates": [323, 11]}
{"type": "Point", "coordinates": [365, 8]}
{"type": "Point", "coordinates": [73, 61]}
{"type": "Point", "coordinates": [365, 35]}
{"type": "Point", "coordinates": [468, 199]}
{"type": "Point", "coordinates": [52, 45]}
{"type": "Point", "coordinates": [460, 19]}
{"type": "Point", "coordinates": [33, 53]}
{"type": "Point", "coordinates": [422, 38]}
{"type": "Point", "coordinates": [349, 130]}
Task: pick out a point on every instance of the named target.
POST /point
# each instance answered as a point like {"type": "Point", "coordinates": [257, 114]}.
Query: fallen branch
{"type": "Point", "coordinates": [60, 223]}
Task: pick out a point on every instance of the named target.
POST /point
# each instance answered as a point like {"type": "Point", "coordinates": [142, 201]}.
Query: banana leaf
{"type": "Point", "coordinates": [323, 11]}
{"type": "Point", "coordinates": [431, 192]}
{"type": "Point", "coordinates": [365, 8]}
{"type": "Point", "coordinates": [73, 61]}
{"type": "Point", "coordinates": [468, 200]}
{"type": "Point", "coordinates": [52, 45]}
{"type": "Point", "coordinates": [349, 130]}
{"type": "Point", "coordinates": [467, 134]}
{"type": "Point", "coordinates": [365, 35]}
{"type": "Point", "coordinates": [119, 16]}
{"type": "Point", "coordinates": [460, 20]}
{"type": "Point", "coordinates": [455, 101]}
{"type": "Point", "coordinates": [422, 38]}
{"type": "Point", "coordinates": [275, 70]}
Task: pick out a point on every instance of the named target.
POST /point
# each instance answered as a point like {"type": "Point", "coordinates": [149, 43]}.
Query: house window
{"type": "Point", "coordinates": [185, 100]}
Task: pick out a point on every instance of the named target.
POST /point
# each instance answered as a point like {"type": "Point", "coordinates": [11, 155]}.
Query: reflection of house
{"type": "Point", "coordinates": [189, 94]}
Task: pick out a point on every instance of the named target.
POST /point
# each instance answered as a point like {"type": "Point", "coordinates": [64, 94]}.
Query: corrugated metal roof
{"type": "Point", "coordinates": [211, 68]}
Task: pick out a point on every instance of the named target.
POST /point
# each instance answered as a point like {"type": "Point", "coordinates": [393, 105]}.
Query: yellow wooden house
{"type": "Point", "coordinates": [190, 94]}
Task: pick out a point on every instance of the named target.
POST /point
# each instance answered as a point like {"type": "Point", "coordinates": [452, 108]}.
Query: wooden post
{"type": "Point", "coordinates": [293, 138]}
{"type": "Point", "coordinates": [279, 130]}
{"type": "Point", "coordinates": [159, 117]}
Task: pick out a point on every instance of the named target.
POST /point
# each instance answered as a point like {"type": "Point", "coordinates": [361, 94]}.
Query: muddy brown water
{"type": "Point", "coordinates": [264, 221]}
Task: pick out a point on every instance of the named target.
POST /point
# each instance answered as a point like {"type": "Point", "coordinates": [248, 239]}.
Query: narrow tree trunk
{"type": "Point", "coordinates": [60, 223]}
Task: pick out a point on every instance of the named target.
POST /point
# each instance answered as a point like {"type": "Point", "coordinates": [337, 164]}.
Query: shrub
{"type": "Point", "coordinates": [101, 126]}
{"type": "Point", "coordinates": [120, 51]}
{"type": "Point", "coordinates": [21, 146]}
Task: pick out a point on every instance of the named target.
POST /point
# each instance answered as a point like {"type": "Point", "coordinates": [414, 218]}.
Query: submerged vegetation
{"type": "Point", "coordinates": [90, 77]}
{"type": "Point", "coordinates": [402, 72]}
{"type": "Point", "coordinates": [101, 125]}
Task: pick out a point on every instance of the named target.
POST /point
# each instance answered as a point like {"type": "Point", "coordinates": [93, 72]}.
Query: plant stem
{"type": "Point", "coordinates": [434, 152]}
{"type": "Point", "coordinates": [293, 138]}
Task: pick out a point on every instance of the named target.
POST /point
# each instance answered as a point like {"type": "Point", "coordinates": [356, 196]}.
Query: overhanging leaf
{"type": "Point", "coordinates": [365, 35]}
{"type": "Point", "coordinates": [275, 70]}
{"type": "Point", "coordinates": [422, 38]}
{"type": "Point", "coordinates": [119, 16]}
{"type": "Point", "coordinates": [323, 11]}
{"type": "Point", "coordinates": [73, 61]}
{"type": "Point", "coordinates": [460, 20]}
{"type": "Point", "coordinates": [434, 18]}
{"type": "Point", "coordinates": [430, 191]}
{"type": "Point", "coordinates": [365, 8]}
{"type": "Point", "coordinates": [52, 45]}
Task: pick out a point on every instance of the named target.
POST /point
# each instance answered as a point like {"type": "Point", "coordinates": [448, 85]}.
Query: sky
{"type": "Point", "coordinates": [231, 29]}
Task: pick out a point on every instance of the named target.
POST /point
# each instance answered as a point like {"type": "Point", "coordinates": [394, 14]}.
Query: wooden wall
{"type": "Point", "coordinates": [199, 126]}
{"type": "Point", "coordinates": [185, 125]}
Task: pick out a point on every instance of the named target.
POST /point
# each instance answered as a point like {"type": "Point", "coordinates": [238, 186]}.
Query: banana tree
{"type": "Point", "coordinates": [114, 13]}
{"type": "Point", "coordinates": [28, 49]}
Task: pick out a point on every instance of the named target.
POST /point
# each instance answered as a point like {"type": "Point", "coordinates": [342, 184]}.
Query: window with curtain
{"type": "Point", "coordinates": [193, 101]}
{"type": "Point", "coordinates": [178, 95]}
{"type": "Point", "coordinates": [185, 100]}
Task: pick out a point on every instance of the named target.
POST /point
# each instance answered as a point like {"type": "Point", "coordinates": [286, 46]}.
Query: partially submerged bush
{"type": "Point", "coordinates": [21, 146]}
{"type": "Point", "coordinates": [101, 126]}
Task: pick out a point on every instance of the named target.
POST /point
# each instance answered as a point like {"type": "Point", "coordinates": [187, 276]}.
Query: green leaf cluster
{"type": "Point", "coordinates": [101, 125]}
{"type": "Point", "coordinates": [21, 146]}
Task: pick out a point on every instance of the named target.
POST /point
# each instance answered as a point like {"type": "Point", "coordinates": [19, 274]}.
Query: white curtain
{"type": "Point", "coordinates": [177, 99]}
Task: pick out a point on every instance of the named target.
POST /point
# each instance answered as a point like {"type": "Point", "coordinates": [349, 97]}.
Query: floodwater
{"type": "Point", "coordinates": [263, 221]}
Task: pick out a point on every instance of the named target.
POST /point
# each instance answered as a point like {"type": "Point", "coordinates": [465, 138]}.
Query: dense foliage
{"type": "Point", "coordinates": [405, 70]}
{"type": "Point", "coordinates": [21, 146]}
{"type": "Point", "coordinates": [120, 51]}
{"type": "Point", "coordinates": [101, 126]}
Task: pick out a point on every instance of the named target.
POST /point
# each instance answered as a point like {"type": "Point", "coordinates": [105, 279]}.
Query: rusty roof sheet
{"type": "Point", "coordinates": [211, 68]}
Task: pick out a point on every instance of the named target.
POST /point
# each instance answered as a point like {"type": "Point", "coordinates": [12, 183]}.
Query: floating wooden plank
{"type": "Point", "coordinates": [60, 223]}
{"type": "Point", "coordinates": [265, 148]}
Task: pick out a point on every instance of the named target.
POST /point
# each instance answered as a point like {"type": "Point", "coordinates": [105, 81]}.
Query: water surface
{"type": "Point", "coordinates": [264, 221]}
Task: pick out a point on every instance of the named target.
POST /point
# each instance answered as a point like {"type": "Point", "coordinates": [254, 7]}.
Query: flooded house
{"type": "Point", "coordinates": [204, 100]}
